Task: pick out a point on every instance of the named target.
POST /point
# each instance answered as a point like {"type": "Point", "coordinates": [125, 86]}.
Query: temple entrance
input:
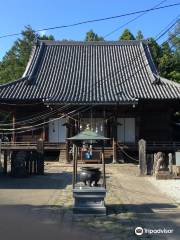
{"type": "Point", "coordinates": [57, 130]}
{"type": "Point", "coordinates": [126, 130]}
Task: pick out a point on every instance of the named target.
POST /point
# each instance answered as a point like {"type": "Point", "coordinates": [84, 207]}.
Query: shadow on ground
{"type": "Point", "coordinates": [140, 208]}
{"type": "Point", "coordinates": [47, 181]}
{"type": "Point", "coordinates": [58, 222]}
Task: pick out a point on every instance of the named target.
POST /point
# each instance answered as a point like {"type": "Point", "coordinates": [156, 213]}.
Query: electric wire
{"type": "Point", "coordinates": [164, 29]}
{"type": "Point", "coordinates": [96, 20]}
{"type": "Point", "coordinates": [132, 20]}
{"type": "Point", "coordinates": [67, 104]}
{"type": "Point", "coordinates": [167, 30]}
{"type": "Point", "coordinates": [119, 70]}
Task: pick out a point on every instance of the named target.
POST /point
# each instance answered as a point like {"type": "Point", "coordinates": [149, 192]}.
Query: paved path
{"type": "Point", "coordinates": [40, 207]}
{"type": "Point", "coordinates": [145, 204]}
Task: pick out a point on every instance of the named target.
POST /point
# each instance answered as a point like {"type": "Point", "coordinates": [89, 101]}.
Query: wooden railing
{"type": "Point", "coordinates": [31, 146]}
{"type": "Point", "coordinates": [152, 145]}
{"type": "Point", "coordinates": [62, 146]}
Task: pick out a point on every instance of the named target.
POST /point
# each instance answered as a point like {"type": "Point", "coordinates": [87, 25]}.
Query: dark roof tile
{"type": "Point", "coordinates": [90, 72]}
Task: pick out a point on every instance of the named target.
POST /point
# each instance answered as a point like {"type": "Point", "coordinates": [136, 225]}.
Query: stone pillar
{"type": "Point", "coordinates": [142, 157]}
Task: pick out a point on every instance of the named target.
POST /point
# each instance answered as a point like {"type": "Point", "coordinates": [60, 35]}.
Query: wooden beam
{"type": "Point", "coordinates": [115, 139]}
{"type": "Point", "coordinates": [76, 155]}
{"type": "Point", "coordinates": [73, 176]}
{"type": "Point", "coordinates": [5, 162]}
{"type": "Point", "coordinates": [40, 157]}
{"type": "Point", "coordinates": [103, 163]}
{"type": "Point", "coordinates": [13, 125]}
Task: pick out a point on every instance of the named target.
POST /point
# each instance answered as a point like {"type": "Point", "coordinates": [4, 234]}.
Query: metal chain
{"type": "Point", "coordinates": [134, 159]}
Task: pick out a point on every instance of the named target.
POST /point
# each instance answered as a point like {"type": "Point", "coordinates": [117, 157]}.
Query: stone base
{"type": "Point", "coordinates": [89, 200]}
{"type": "Point", "coordinates": [163, 175]}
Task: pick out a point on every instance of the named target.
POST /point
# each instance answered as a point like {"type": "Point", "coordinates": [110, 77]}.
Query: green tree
{"type": "Point", "coordinates": [169, 64]}
{"type": "Point", "coordinates": [45, 37]}
{"type": "Point", "coordinates": [166, 61]}
{"type": "Point", "coordinates": [92, 36]}
{"type": "Point", "coordinates": [139, 35]}
{"type": "Point", "coordinates": [175, 45]}
{"type": "Point", "coordinates": [127, 35]}
{"type": "Point", "coordinates": [155, 50]}
{"type": "Point", "coordinates": [15, 60]}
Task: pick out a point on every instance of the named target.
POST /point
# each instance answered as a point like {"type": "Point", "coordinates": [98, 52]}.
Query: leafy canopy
{"type": "Point", "coordinates": [91, 36]}
{"type": "Point", "coordinates": [15, 60]}
{"type": "Point", "coordinates": [127, 35]}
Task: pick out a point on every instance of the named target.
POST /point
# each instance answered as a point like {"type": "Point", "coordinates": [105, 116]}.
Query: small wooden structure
{"type": "Point", "coordinates": [88, 200]}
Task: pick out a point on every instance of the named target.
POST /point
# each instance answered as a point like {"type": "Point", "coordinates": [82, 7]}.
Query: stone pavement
{"type": "Point", "coordinates": [40, 207]}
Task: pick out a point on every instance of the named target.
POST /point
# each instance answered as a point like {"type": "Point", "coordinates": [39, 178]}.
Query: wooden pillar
{"type": "Point", "coordinates": [103, 163]}
{"type": "Point", "coordinates": [76, 153]}
{"type": "Point", "coordinates": [74, 164]}
{"type": "Point", "coordinates": [40, 157]}
{"type": "Point", "coordinates": [114, 151]}
{"type": "Point", "coordinates": [115, 139]}
{"type": "Point", "coordinates": [0, 154]}
{"type": "Point", "coordinates": [44, 133]}
{"type": "Point", "coordinates": [13, 126]}
{"type": "Point", "coordinates": [67, 143]}
{"type": "Point", "coordinates": [142, 157]}
{"type": "Point", "coordinates": [0, 150]}
{"type": "Point", "coordinates": [67, 152]}
{"type": "Point", "coordinates": [5, 162]}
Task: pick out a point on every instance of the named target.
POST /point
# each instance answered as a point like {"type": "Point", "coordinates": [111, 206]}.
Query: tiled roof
{"type": "Point", "coordinates": [90, 72]}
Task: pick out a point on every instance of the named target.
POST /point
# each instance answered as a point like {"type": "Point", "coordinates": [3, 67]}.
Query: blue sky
{"type": "Point", "coordinates": [15, 14]}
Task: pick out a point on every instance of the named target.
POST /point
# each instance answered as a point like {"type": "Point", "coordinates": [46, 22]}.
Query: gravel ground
{"type": "Point", "coordinates": [42, 206]}
{"type": "Point", "coordinates": [170, 187]}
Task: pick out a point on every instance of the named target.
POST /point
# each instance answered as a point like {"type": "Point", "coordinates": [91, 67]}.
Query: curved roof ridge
{"type": "Point", "coordinates": [33, 50]}
{"type": "Point", "coordinates": [148, 66]}
{"type": "Point", "coordinates": [71, 42]}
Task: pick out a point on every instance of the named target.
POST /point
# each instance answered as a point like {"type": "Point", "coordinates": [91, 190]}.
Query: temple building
{"type": "Point", "coordinates": [113, 88]}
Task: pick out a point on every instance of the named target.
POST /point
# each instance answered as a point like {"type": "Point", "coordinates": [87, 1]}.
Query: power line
{"type": "Point", "coordinates": [44, 123]}
{"type": "Point", "coordinates": [157, 35]}
{"type": "Point", "coordinates": [37, 126]}
{"type": "Point", "coordinates": [169, 28]}
{"type": "Point", "coordinates": [171, 37]}
{"type": "Point", "coordinates": [132, 20]}
{"type": "Point", "coordinates": [28, 128]}
{"type": "Point", "coordinates": [96, 20]}
{"type": "Point", "coordinates": [121, 69]}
